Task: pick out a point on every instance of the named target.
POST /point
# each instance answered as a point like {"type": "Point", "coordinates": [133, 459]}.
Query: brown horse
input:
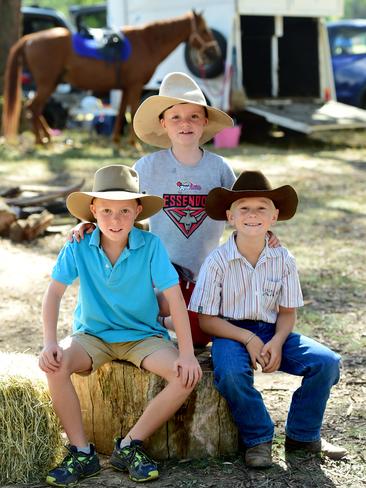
{"type": "Point", "coordinates": [50, 58]}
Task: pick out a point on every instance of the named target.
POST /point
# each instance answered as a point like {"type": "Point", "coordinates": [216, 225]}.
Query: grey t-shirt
{"type": "Point", "coordinates": [183, 225]}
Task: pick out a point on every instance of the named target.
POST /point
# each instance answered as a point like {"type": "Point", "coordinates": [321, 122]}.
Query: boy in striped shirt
{"type": "Point", "coordinates": [246, 297]}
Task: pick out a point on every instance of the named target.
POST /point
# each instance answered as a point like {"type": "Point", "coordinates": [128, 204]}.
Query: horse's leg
{"type": "Point", "coordinates": [40, 127]}
{"type": "Point", "coordinates": [120, 117]}
{"type": "Point", "coordinates": [46, 128]}
{"type": "Point", "coordinates": [35, 107]}
{"type": "Point", "coordinates": [134, 96]}
{"type": "Point", "coordinates": [31, 115]}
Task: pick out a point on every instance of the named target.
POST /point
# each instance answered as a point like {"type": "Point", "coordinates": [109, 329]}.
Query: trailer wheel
{"type": "Point", "coordinates": [211, 69]}
{"type": "Point", "coordinates": [146, 94]}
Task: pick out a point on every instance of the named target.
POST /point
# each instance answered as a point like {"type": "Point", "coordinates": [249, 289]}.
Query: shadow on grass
{"type": "Point", "coordinates": [288, 471]}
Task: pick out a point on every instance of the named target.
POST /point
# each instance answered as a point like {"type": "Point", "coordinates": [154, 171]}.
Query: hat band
{"type": "Point", "coordinates": [116, 189]}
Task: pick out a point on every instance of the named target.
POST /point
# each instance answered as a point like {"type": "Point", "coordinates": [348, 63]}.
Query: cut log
{"type": "Point", "coordinates": [45, 197]}
{"type": "Point", "coordinates": [30, 228]}
{"type": "Point", "coordinates": [7, 217]}
{"type": "Point", "coordinates": [113, 398]}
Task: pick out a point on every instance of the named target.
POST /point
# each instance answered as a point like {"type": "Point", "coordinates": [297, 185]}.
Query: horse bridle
{"type": "Point", "coordinates": [195, 36]}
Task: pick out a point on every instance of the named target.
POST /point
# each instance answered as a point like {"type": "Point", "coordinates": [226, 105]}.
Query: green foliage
{"type": "Point", "coordinates": [62, 5]}
{"type": "Point", "coordinates": [354, 9]}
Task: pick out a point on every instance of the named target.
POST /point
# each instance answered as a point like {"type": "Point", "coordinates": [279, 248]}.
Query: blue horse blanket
{"type": "Point", "coordinates": [92, 48]}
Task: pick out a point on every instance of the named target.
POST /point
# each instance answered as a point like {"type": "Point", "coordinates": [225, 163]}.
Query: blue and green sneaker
{"type": "Point", "coordinates": [134, 459]}
{"type": "Point", "coordinates": [75, 467]}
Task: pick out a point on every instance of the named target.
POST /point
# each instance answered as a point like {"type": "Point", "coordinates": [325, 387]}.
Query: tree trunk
{"type": "Point", "coordinates": [9, 32]}
{"type": "Point", "coordinates": [114, 397]}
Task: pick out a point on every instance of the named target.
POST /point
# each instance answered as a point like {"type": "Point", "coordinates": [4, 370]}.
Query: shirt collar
{"type": "Point", "coordinates": [233, 253]}
{"type": "Point", "coordinates": [135, 239]}
{"type": "Point", "coordinates": [232, 250]}
{"type": "Point", "coordinates": [95, 238]}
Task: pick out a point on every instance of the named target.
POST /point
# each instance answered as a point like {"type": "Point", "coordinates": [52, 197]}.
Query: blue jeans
{"type": "Point", "coordinates": [301, 356]}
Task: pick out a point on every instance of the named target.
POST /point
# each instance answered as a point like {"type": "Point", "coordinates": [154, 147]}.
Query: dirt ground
{"type": "Point", "coordinates": [24, 274]}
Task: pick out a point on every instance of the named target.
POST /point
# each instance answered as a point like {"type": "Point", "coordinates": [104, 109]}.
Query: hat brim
{"type": "Point", "coordinates": [147, 125]}
{"type": "Point", "coordinates": [220, 199]}
{"type": "Point", "coordinates": [78, 203]}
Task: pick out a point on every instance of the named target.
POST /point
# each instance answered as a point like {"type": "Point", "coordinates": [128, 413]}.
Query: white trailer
{"type": "Point", "coordinates": [277, 58]}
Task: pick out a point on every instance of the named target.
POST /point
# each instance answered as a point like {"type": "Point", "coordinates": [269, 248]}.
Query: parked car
{"type": "Point", "coordinates": [89, 17]}
{"type": "Point", "coordinates": [37, 18]}
{"type": "Point", "coordinates": [347, 39]}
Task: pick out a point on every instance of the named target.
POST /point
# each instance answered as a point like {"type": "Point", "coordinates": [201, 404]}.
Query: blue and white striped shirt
{"type": "Point", "coordinates": [229, 286]}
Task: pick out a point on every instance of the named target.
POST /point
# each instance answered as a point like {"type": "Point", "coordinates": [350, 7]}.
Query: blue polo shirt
{"type": "Point", "coordinates": [117, 303]}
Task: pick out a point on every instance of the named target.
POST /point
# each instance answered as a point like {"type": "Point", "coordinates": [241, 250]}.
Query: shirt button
{"type": "Point", "coordinates": [107, 265]}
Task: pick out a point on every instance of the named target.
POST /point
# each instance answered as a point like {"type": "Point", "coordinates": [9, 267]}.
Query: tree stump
{"type": "Point", "coordinates": [114, 397]}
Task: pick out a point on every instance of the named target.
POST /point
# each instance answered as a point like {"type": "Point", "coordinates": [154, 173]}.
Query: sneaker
{"type": "Point", "coordinates": [321, 446]}
{"type": "Point", "coordinates": [134, 459]}
{"type": "Point", "coordinates": [259, 456]}
{"type": "Point", "coordinates": [75, 467]}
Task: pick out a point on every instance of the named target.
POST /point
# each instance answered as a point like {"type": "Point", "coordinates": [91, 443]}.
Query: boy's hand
{"type": "Point", "coordinates": [189, 370]}
{"type": "Point", "coordinates": [255, 348]}
{"type": "Point", "coordinates": [79, 230]}
{"type": "Point", "coordinates": [273, 240]}
{"type": "Point", "coordinates": [50, 358]}
{"type": "Point", "coordinates": [273, 349]}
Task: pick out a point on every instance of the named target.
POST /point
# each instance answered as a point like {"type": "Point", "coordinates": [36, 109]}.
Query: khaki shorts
{"type": "Point", "coordinates": [135, 351]}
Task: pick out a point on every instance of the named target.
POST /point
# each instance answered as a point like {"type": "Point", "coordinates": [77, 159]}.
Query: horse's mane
{"type": "Point", "coordinates": [156, 24]}
{"type": "Point", "coordinates": [164, 32]}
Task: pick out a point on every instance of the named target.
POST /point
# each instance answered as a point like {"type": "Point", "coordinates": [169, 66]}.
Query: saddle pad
{"type": "Point", "coordinates": [90, 48]}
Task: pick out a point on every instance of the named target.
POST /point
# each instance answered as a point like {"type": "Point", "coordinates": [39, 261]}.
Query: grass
{"type": "Point", "coordinates": [327, 237]}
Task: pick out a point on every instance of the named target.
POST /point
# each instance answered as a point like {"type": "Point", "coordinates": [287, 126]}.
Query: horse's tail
{"type": "Point", "coordinates": [12, 91]}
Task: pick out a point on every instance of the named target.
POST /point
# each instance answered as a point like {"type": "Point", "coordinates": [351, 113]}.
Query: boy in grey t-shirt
{"type": "Point", "coordinates": [180, 121]}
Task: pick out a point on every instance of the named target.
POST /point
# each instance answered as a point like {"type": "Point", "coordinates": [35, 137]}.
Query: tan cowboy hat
{"type": "Point", "coordinates": [174, 89]}
{"type": "Point", "coordinates": [251, 184]}
{"type": "Point", "coordinates": [116, 182]}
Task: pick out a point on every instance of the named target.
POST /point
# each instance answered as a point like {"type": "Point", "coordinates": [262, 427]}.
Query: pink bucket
{"type": "Point", "coordinates": [228, 137]}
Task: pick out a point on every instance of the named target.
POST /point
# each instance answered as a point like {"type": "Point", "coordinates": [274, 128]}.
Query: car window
{"type": "Point", "coordinates": [348, 41]}
{"type": "Point", "coordinates": [90, 20]}
{"type": "Point", "coordinates": [35, 24]}
{"type": "Point", "coordinates": [94, 20]}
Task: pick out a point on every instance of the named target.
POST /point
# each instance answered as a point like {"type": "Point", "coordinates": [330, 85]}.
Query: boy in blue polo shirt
{"type": "Point", "coordinates": [246, 297]}
{"type": "Point", "coordinates": [116, 317]}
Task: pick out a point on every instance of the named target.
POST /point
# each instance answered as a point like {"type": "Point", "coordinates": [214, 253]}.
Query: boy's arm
{"type": "Point", "coordinates": [186, 365]}
{"type": "Point", "coordinates": [219, 327]}
{"type": "Point", "coordinates": [51, 354]}
{"type": "Point", "coordinates": [285, 324]}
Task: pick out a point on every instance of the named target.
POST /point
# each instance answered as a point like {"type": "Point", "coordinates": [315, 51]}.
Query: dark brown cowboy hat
{"type": "Point", "coordinates": [251, 184]}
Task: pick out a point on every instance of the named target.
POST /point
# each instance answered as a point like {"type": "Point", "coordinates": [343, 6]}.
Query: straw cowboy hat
{"type": "Point", "coordinates": [252, 184]}
{"type": "Point", "coordinates": [175, 88]}
{"type": "Point", "coordinates": [116, 182]}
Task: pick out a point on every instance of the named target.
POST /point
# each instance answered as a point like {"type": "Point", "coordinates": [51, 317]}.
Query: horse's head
{"type": "Point", "coordinates": [202, 39]}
